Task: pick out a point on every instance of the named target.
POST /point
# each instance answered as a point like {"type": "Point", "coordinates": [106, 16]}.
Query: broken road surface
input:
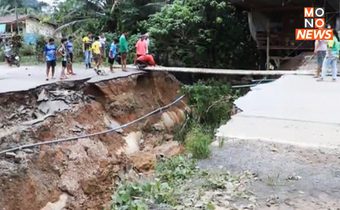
{"type": "Point", "coordinates": [295, 110]}
{"type": "Point", "coordinates": [287, 134]}
{"type": "Point", "coordinates": [24, 78]}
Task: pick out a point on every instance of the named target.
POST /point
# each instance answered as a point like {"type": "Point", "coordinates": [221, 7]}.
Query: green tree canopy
{"type": "Point", "coordinates": [202, 33]}
{"type": "Point", "coordinates": [6, 10]}
{"type": "Point", "coordinates": [24, 6]}
{"type": "Point", "coordinates": [106, 15]}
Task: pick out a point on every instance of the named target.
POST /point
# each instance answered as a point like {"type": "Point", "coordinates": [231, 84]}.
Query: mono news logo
{"type": "Point", "coordinates": [314, 25]}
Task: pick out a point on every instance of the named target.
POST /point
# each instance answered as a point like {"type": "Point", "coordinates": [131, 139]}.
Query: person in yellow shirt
{"type": "Point", "coordinates": [87, 42]}
{"type": "Point", "coordinates": [97, 53]}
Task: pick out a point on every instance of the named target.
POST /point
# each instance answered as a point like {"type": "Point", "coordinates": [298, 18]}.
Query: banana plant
{"type": "Point", "coordinates": [6, 10]}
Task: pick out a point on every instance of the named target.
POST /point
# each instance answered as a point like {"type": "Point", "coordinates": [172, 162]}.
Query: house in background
{"type": "Point", "coordinates": [29, 26]}
{"type": "Point", "coordinates": [272, 24]}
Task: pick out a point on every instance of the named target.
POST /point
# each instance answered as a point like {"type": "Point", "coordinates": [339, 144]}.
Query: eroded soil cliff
{"type": "Point", "coordinates": [82, 174]}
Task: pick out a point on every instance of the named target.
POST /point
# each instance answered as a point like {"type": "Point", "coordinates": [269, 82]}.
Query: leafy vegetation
{"type": "Point", "coordinates": [179, 184]}
{"type": "Point", "coordinates": [175, 169]}
{"type": "Point", "coordinates": [202, 33]}
{"type": "Point", "coordinates": [6, 10]}
{"type": "Point", "coordinates": [105, 15]}
{"type": "Point", "coordinates": [169, 174]}
{"type": "Point", "coordinates": [24, 6]}
{"type": "Point", "coordinates": [198, 142]}
{"type": "Point", "coordinates": [195, 33]}
{"type": "Point", "coordinates": [210, 101]}
{"type": "Point", "coordinates": [210, 104]}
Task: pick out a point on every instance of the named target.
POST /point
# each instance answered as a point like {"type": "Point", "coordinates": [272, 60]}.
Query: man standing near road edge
{"type": "Point", "coordinates": [97, 54]}
{"type": "Point", "coordinates": [141, 48]}
{"type": "Point", "coordinates": [50, 52]}
{"type": "Point", "coordinates": [123, 49]}
{"type": "Point", "coordinates": [87, 42]}
{"type": "Point", "coordinates": [147, 40]}
{"type": "Point", "coordinates": [112, 54]}
{"type": "Point", "coordinates": [102, 40]}
{"type": "Point", "coordinates": [320, 52]}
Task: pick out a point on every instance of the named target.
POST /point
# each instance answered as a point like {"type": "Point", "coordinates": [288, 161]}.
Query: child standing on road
{"type": "Point", "coordinates": [50, 52]}
{"type": "Point", "coordinates": [64, 58]}
{"type": "Point", "coordinates": [69, 49]}
{"type": "Point", "coordinates": [112, 53]}
{"type": "Point", "coordinates": [97, 56]}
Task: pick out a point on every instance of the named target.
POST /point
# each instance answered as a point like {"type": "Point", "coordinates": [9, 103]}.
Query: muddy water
{"type": "Point", "coordinates": [82, 174]}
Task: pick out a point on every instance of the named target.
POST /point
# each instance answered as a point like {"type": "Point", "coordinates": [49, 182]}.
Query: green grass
{"type": "Point", "coordinates": [180, 184]}
{"type": "Point", "coordinates": [210, 103]}
{"type": "Point", "coordinates": [197, 142]}
{"type": "Point", "coordinates": [163, 190]}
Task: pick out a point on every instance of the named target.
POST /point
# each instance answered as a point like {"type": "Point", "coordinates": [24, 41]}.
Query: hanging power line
{"type": "Point", "coordinates": [93, 134]}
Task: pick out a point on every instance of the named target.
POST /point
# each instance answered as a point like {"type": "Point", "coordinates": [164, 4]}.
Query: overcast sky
{"type": "Point", "coordinates": [49, 1]}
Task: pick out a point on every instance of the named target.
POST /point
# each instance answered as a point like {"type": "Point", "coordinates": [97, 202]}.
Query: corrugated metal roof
{"type": "Point", "coordinates": [12, 18]}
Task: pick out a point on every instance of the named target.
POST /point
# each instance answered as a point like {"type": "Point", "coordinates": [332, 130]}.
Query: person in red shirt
{"type": "Point", "coordinates": [145, 61]}
{"type": "Point", "coordinates": [141, 48]}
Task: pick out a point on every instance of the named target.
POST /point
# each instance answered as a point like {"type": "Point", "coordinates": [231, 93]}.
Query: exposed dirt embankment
{"type": "Point", "coordinates": [82, 174]}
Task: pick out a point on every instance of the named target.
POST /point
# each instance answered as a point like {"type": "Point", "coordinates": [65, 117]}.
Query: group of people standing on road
{"type": "Point", "coordinates": [93, 50]}
{"type": "Point", "coordinates": [327, 53]}
{"type": "Point", "coordinates": [65, 51]}
{"type": "Point", "coordinates": [142, 48]}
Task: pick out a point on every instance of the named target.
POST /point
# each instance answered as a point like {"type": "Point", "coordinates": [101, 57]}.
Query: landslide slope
{"type": "Point", "coordinates": [82, 174]}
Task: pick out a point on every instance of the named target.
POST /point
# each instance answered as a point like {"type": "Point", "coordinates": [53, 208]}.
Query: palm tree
{"type": "Point", "coordinates": [6, 10]}
{"type": "Point", "coordinates": [109, 14]}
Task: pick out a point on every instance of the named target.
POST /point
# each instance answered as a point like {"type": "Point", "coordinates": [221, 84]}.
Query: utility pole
{"type": "Point", "coordinates": [16, 16]}
{"type": "Point", "coordinates": [268, 45]}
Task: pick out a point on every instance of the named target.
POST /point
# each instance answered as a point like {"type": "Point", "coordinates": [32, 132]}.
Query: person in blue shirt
{"type": "Point", "coordinates": [113, 53]}
{"type": "Point", "coordinates": [50, 52]}
{"type": "Point", "coordinates": [69, 49]}
{"type": "Point", "coordinates": [62, 51]}
{"type": "Point", "coordinates": [332, 57]}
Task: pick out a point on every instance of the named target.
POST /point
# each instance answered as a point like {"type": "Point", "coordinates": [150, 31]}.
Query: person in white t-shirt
{"type": "Point", "coordinates": [102, 40]}
{"type": "Point", "coordinates": [147, 41]}
{"type": "Point", "coordinates": [320, 52]}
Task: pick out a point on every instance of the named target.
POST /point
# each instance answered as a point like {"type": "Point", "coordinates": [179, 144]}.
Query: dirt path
{"type": "Point", "coordinates": [287, 177]}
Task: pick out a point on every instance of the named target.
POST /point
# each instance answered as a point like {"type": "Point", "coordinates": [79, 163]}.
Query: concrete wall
{"type": "Point", "coordinates": [35, 27]}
